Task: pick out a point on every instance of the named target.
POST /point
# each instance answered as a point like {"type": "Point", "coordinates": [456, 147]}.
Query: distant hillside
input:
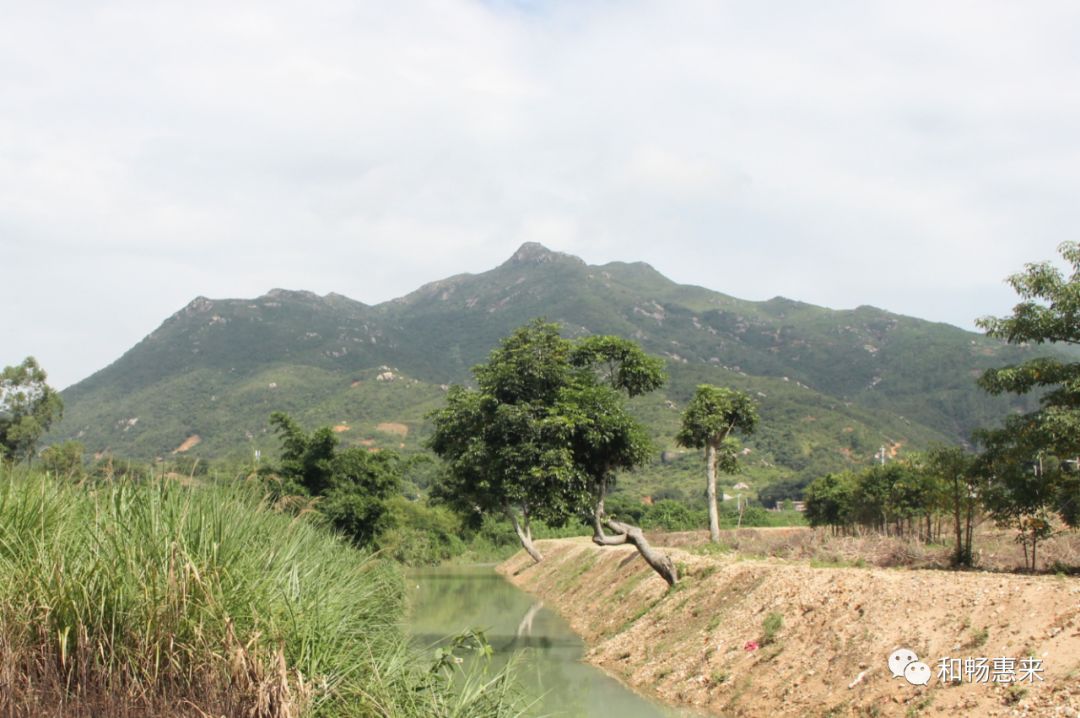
{"type": "Point", "coordinates": [834, 386]}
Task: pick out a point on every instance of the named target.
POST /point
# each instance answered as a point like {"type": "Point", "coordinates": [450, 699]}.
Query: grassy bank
{"type": "Point", "coordinates": [142, 599]}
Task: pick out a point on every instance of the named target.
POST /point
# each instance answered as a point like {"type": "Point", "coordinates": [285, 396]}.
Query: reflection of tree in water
{"type": "Point", "coordinates": [525, 627]}
{"type": "Point", "coordinates": [446, 602]}
{"type": "Point", "coordinates": [467, 600]}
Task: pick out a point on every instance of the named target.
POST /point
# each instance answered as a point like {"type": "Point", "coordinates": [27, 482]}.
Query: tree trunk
{"type": "Point", "coordinates": [710, 474]}
{"type": "Point", "coordinates": [1023, 540]}
{"type": "Point", "coordinates": [969, 553]}
{"type": "Point", "coordinates": [598, 509]}
{"type": "Point", "coordinates": [957, 509]}
{"type": "Point", "coordinates": [524, 535]}
{"type": "Point", "coordinates": [625, 533]}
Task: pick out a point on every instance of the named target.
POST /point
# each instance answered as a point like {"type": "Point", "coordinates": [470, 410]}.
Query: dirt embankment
{"type": "Point", "coordinates": [713, 641]}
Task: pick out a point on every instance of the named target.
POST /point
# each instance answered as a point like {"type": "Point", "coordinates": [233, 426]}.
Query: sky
{"type": "Point", "coordinates": [905, 155]}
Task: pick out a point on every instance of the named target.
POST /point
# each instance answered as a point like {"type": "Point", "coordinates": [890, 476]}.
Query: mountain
{"type": "Point", "coordinates": [833, 386]}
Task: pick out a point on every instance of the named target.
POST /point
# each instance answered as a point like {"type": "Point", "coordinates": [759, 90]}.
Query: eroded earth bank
{"type": "Point", "coordinates": [714, 641]}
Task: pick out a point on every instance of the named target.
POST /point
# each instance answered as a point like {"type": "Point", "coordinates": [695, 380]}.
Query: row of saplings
{"type": "Point", "coordinates": [1027, 474]}
{"type": "Point", "coordinates": [949, 487]}
{"type": "Point", "coordinates": [547, 429]}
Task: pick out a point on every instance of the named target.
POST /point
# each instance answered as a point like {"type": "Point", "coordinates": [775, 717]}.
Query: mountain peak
{"type": "Point", "coordinates": [278, 293]}
{"type": "Point", "coordinates": [536, 253]}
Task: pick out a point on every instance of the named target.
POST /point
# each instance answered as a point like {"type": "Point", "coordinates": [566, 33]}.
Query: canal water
{"type": "Point", "coordinates": [449, 600]}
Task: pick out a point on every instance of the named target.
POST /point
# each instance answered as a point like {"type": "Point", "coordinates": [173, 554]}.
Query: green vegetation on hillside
{"type": "Point", "coordinates": [832, 386]}
{"type": "Point", "coordinates": [1028, 475]}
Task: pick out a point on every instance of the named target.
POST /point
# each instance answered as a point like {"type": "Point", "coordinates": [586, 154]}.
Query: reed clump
{"type": "Point", "coordinates": [147, 598]}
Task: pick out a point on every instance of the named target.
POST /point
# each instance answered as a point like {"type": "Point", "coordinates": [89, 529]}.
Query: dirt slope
{"type": "Point", "coordinates": [839, 625]}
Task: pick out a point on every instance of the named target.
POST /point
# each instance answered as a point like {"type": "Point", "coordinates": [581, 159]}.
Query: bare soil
{"type": "Point", "coordinates": [705, 642]}
{"type": "Point", "coordinates": [393, 428]}
{"type": "Point", "coordinates": [188, 443]}
{"type": "Point", "coordinates": [995, 549]}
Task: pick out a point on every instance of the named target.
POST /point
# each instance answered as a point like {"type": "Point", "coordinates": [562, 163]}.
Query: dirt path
{"type": "Point", "coordinates": [706, 644]}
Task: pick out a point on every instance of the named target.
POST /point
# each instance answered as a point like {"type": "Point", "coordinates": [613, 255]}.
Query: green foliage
{"type": "Point", "coordinates": [1048, 313]}
{"type": "Point", "coordinates": [671, 515]}
{"type": "Point", "coordinates": [710, 419]}
{"type": "Point", "coordinates": [203, 597]}
{"type": "Point", "coordinates": [421, 535]}
{"type": "Point", "coordinates": [770, 627]}
{"type": "Point", "coordinates": [1049, 310]}
{"type": "Point", "coordinates": [714, 414]}
{"type": "Point", "coordinates": [830, 500]}
{"type": "Point", "coordinates": [507, 444]}
{"type": "Point", "coordinates": [960, 483]}
{"type": "Point", "coordinates": [63, 459]}
{"type": "Point", "coordinates": [606, 438]}
{"type": "Point", "coordinates": [836, 382]}
{"type": "Point", "coordinates": [546, 429]}
{"type": "Point", "coordinates": [897, 498]}
{"type": "Point", "coordinates": [620, 363]}
{"type": "Point", "coordinates": [1024, 460]}
{"type": "Point", "coordinates": [28, 407]}
{"type": "Point", "coordinates": [352, 484]}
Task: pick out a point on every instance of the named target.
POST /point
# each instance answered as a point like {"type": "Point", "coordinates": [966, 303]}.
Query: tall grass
{"type": "Point", "coordinates": [148, 598]}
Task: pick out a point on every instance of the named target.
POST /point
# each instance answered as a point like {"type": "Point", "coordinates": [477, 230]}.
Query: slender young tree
{"type": "Point", "coordinates": [607, 438]}
{"type": "Point", "coordinates": [711, 417]}
{"type": "Point", "coordinates": [956, 469]}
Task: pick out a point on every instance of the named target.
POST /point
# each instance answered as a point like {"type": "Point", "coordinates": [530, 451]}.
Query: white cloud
{"type": "Point", "coordinates": [908, 155]}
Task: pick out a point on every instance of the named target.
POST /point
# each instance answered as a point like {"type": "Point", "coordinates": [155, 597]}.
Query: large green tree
{"type": "Point", "coordinates": [1028, 457]}
{"type": "Point", "coordinates": [28, 407]}
{"type": "Point", "coordinates": [713, 415]}
{"type": "Point", "coordinates": [507, 443]}
{"type": "Point", "coordinates": [545, 432]}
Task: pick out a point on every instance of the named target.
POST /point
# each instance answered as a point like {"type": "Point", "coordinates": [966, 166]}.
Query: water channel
{"type": "Point", "coordinates": [447, 601]}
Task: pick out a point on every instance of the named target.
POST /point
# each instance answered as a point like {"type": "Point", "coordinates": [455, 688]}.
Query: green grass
{"type": "Point", "coordinates": [978, 638]}
{"type": "Point", "coordinates": [144, 596]}
{"type": "Point", "coordinates": [770, 627]}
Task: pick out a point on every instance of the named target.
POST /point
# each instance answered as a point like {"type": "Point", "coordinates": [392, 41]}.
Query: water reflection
{"type": "Point", "coordinates": [447, 601]}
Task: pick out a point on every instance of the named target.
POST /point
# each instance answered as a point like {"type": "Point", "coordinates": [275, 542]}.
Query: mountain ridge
{"type": "Point", "coordinates": [217, 367]}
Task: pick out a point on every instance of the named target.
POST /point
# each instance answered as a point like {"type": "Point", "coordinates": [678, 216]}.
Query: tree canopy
{"type": "Point", "coordinates": [713, 414]}
{"type": "Point", "coordinates": [352, 485]}
{"type": "Point", "coordinates": [507, 444]}
{"type": "Point", "coordinates": [1048, 313]}
{"type": "Point", "coordinates": [28, 407]}
{"type": "Point", "coordinates": [1031, 460]}
{"type": "Point", "coordinates": [544, 432]}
